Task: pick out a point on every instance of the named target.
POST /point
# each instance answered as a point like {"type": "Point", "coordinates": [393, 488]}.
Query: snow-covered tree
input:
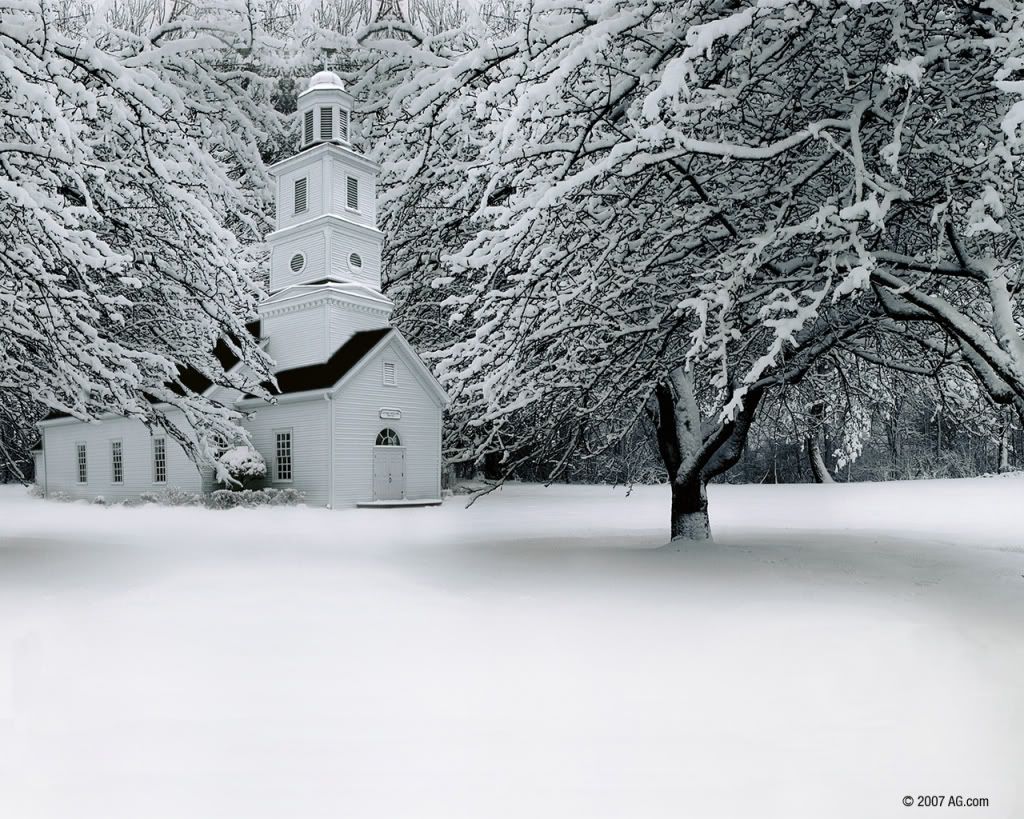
{"type": "Point", "coordinates": [677, 208]}
{"type": "Point", "coordinates": [132, 190]}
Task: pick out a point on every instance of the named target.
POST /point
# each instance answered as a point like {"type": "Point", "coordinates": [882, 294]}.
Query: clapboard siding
{"type": "Point", "coordinates": [357, 422]}
{"type": "Point", "coordinates": [312, 244]}
{"type": "Point", "coordinates": [344, 321]}
{"type": "Point", "coordinates": [308, 421]}
{"type": "Point", "coordinates": [344, 242]}
{"type": "Point", "coordinates": [61, 465]}
{"type": "Point", "coordinates": [315, 204]}
{"type": "Point", "coordinates": [367, 213]}
{"type": "Point", "coordinates": [297, 338]}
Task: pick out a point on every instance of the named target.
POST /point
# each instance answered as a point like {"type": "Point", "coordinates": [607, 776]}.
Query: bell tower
{"type": "Point", "coordinates": [326, 227]}
{"type": "Point", "coordinates": [325, 250]}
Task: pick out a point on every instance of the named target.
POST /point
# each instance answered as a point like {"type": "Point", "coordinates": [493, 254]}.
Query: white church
{"type": "Point", "coordinates": [357, 418]}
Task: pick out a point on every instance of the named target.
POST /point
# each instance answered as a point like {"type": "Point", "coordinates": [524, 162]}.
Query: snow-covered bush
{"type": "Point", "coordinates": [36, 491]}
{"type": "Point", "coordinates": [284, 497]}
{"type": "Point", "coordinates": [242, 463]}
{"type": "Point", "coordinates": [179, 497]}
{"type": "Point", "coordinates": [99, 500]}
{"type": "Point", "coordinates": [228, 499]}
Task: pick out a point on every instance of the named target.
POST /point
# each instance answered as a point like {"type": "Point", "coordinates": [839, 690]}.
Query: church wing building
{"type": "Point", "coordinates": [357, 418]}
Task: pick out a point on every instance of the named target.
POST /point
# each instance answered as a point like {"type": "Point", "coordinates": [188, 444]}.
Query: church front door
{"type": "Point", "coordinates": [388, 472]}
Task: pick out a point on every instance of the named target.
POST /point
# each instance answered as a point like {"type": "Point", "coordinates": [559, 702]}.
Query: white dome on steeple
{"type": "Point", "coordinates": [325, 79]}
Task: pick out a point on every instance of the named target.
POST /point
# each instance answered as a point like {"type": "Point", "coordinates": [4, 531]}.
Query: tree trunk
{"type": "Point", "coordinates": [691, 454]}
{"type": "Point", "coordinates": [818, 468]}
{"type": "Point", "coordinates": [677, 423]}
{"type": "Point", "coordinates": [1004, 447]}
{"type": "Point", "coordinates": [491, 467]}
{"type": "Point", "coordinates": [690, 511]}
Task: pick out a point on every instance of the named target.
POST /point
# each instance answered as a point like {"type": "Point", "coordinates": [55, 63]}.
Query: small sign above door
{"type": "Point", "coordinates": [391, 414]}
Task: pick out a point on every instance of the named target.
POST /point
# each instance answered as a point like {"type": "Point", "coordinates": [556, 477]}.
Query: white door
{"type": "Point", "coordinates": [388, 472]}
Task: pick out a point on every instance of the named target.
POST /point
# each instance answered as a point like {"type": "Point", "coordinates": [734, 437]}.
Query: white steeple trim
{"type": "Point", "coordinates": [353, 157]}
{"type": "Point", "coordinates": [301, 297]}
{"type": "Point", "coordinates": [322, 219]}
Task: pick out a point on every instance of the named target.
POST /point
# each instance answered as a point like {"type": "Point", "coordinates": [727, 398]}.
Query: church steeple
{"type": "Point", "coordinates": [326, 198]}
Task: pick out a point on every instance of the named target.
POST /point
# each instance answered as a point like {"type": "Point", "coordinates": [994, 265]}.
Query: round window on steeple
{"type": "Point", "coordinates": [355, 260]}
{"type": "Point", "coordinates": [297, 263]}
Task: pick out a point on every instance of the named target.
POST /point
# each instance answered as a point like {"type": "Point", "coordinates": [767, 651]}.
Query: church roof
{"type": "Point", "coordinates": [189, 377]}
{"type": "Point", "coordinates": [297, 379]}
{"type": "Point", "coordinates": [326, 375]}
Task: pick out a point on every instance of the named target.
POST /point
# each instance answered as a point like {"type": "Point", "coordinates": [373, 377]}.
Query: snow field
{"type": "Point", "coordinates": [837, 648]}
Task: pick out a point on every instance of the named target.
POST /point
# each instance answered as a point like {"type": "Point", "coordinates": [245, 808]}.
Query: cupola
{"type": "Point", "coordinates": [324, 111]}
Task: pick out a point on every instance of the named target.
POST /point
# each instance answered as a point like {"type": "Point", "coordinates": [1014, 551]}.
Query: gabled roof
{"type": "Point", "coordinates": [326, 375]}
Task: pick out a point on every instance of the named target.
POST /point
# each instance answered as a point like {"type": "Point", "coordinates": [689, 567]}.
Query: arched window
{"type": "Point", "coordinates": [388, 437]}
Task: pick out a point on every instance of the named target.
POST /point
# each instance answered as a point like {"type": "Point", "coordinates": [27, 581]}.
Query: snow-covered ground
{"type": "Point", "coordinates": [838, 648]}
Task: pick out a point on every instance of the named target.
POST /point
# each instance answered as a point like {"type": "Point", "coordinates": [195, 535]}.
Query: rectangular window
{"type": "Point", "coordinates": [353, 193]}
{"type": "Point", "coordinates": [159, 460]}
{"type": "Point", "coordinates": [283, 454]}
{"type": "Point", "coordinates": [307, 127]}
{"type": "Point", "coordinates": [343, 124]}
{"type": "Point", "coordinates": [116, 462]}
{"type": "Point", "coordinates": [389, 374]}
{"type": "Point", "coordinates": [326, 123]}
{"type": "Point", "coordinates": [83, 467]}
{"type": "Point", "coordinates": [300, 195]}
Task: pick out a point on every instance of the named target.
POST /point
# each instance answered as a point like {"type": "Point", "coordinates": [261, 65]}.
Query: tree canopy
{"type": "Point", "coordinates": [133, 191]}
{"type": "Point", "coordinates": [676, 208]}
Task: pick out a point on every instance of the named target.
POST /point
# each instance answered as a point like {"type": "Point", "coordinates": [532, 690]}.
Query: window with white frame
{"type": "Point", "coordinates": [327, 123]}
{"type": "Point", "coordinates": [283, 455]}
{"type": "Point", "coordinates": [390, 377]}
{"type": "Point", "coordinates": [352, 193]}
{"type": "Point", "coordinates": [81, 463]}
{"type": "Point", "coordinates": [300, 195]}
{"type": "Point", "coordinates": [307, 127]}
{"type": "Point", "coordinates": [388, 437]}
{"type": "Point", "coordinates": [116, 462]}
{"type": "Point", "coordinates": [343, 124]}
{"type": "Point", "coordinates": [159, 460]}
